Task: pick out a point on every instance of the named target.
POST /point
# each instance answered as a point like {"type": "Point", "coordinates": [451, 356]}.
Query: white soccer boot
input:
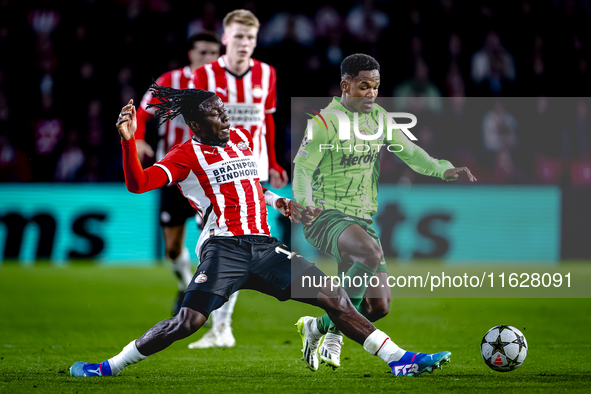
{"type": "Point", "coordinates": [225, 336]}
{"type": "Point", "coordinates": [330, 350]}
{"type": "Point", "coordinates": [207, 341]}
{"type": "Point", "coordinates": [219, 336]}
{"type": "Point", "coordinates": [310, 341]}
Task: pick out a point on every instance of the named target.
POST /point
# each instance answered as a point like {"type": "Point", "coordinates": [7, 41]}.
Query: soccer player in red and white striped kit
{"type": "Point", "coordinates": [174, 208]}
{"type": "Point", "coordinates": [247, 87]}
{"type": "Point", "coordinates": [217, 173]}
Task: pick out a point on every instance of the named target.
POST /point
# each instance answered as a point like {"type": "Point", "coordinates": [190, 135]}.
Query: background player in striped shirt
{"type": "Point", "coordinates": [342, 183]}
{"type": "Point", "coordinates": [236, 249]}
{"type": "Point", "coordinates": [174, 208]}
{"type": "Point", "coordinates": [247, 87]}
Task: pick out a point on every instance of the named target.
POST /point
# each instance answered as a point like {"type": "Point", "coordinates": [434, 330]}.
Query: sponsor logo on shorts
{"type": "Point", "coordinates": [200, 278]}
{"type": "Point", "coordinates": [303, 153]}
{"type": "Point", "coordinates": [349, 219]}
{"type": "Point", "coordinates": [322, 201]}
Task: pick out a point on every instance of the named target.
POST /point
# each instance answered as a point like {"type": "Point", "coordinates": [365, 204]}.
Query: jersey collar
{"type": "Point", "coordinates": [222, 64]}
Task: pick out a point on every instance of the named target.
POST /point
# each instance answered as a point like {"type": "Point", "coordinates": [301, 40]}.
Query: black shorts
{"type": "Point", "coordinates": [254, 262]}
{"type": "Point", "coordinates": [175, 209]}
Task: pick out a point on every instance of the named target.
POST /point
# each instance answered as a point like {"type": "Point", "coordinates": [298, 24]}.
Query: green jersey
{"type": "Point", "coordinates": [345, 172]}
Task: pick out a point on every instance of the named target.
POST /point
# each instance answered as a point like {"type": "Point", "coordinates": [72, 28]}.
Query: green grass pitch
{"type": "Point", "coordinates": [51, 317]}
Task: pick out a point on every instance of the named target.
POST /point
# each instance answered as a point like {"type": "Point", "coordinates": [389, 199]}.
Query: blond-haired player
{"type": "Point", "coordinates": [247, 87]}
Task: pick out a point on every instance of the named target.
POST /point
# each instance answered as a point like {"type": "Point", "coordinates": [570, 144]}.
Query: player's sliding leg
{"type": "Point", "coordinates": [192, 315]}
{"type": "Point", "coordinates": [180, 259]}
{"type": "Point", "coordinates": [271, 273]}
{"type": "Point", "coordinates": [220, 334]}
{"type": "Point", "coordinates": [355, 326]}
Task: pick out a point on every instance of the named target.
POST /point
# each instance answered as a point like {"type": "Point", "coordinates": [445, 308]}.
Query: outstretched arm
{"type": "Point", "coordinates": [137, 179]}
{"type": "Point", "coordinates": [420, 161]}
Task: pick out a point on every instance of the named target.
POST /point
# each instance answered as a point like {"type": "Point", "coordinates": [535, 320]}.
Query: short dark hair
{"type": "Point", "coordinates": [175, 102]}
{"type": "Point", "coordinates": [203, 36]}
{"type": "Point", "coordinates": [353, 64]}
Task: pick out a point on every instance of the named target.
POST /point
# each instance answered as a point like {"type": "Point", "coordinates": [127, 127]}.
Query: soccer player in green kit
{"type": "Point", "coordinates": [339, 177]}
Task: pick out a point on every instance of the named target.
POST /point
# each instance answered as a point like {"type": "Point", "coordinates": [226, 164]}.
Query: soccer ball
{"type": "Point", "coordinates": [503, 348]}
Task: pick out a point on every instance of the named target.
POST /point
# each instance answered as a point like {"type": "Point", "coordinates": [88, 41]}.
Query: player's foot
{"type": "Point", "coordinates": [225, 336]}
{"type": "Point", "coordinates": [80, 368]}
{"type": "Point", "coordinates": [310, 341]}
{"type": "Point", "coordinates": [413, 364]}
{"type": "Point", "coordinates": [330, 350]}
{"type": "Point", "coordinates": [220, 336]}
{"type": "Point", "coordinates": [209, 340]}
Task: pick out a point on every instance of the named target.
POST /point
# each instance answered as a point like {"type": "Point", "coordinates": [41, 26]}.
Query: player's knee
{"type": "Point", "coordinates": [335, 300]}
{"type": "Point", "coordinates": [371, 255]}
{"type": "Point", "coordinates": [173, 250]}
{"type": "Point", "coordinates": [377, 308]}
{"type": "Point", "coordinates": [188, 321]}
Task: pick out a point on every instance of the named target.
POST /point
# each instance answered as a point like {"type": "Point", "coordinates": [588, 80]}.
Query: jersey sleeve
{"type": "Point", "coordinates": [176, 164]}
{"type": "Point", "coordinates": [271, 102]}
{"type": "Point", "coordinates": [137, 179]}
{"type": "Point", "coordinates": [199, 78]}
{"type": "Point", "coordinates": [311, 151]}
{"type": "Point", "coordinates": [302, 186]}
{"type": "Point", "coordinates": [416, 157]}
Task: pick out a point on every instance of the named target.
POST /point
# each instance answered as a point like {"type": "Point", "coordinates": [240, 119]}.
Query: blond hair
{"type": "Point", "coordinates": [244, 17]}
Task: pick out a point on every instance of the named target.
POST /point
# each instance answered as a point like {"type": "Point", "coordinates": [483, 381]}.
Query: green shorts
{"type": "Point", "coordinates": [326, 229]}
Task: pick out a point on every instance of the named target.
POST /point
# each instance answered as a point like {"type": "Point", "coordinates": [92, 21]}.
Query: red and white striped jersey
{"type": "Point", "coordinates": [171, 132]}
{"type": "Point", "coordinates": [222, 183]}
{"type": "Point", "coordinates": [247, 98]}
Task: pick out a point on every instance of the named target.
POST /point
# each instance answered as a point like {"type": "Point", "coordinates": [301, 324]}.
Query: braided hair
{"type": "Point", "coordinates": [175, 102]}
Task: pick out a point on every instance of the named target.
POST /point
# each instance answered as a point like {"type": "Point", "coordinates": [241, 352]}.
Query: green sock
{"type": "Point", "coordinates": [355, 294]}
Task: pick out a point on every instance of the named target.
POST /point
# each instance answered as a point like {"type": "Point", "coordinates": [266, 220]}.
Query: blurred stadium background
{"type": "Point", "coordinates": [66, 69]}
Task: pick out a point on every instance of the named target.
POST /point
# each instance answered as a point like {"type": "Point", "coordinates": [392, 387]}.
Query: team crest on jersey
{"type": "Point", "coordinates": [200, 278]}
{"type": "Point", "coordinates": [257, 92]}
{"type": "Point", "coordinates": [363, 132]}
{"type": "Point", "coordinates": [305, 141]}
{"type": "Point", "coordinates": [242, 145]}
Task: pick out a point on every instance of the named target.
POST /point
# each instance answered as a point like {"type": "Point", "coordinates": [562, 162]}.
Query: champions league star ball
{"type": "Point", "coordinates": [503, 348]}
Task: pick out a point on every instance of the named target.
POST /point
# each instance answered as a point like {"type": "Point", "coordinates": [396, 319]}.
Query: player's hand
{"type": "Point", "coordinates": [290, 208]}
{"type": "Point", "coordinates": [455, 173]}
{"type": "Point", "coordinates": [310, 213]}
{"type": "Point", "coordinates": [143, 149]}
{"type": "Point", "coordinates": [278, 177]}
{"type": "Point", "coordinates": [127, 122]}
